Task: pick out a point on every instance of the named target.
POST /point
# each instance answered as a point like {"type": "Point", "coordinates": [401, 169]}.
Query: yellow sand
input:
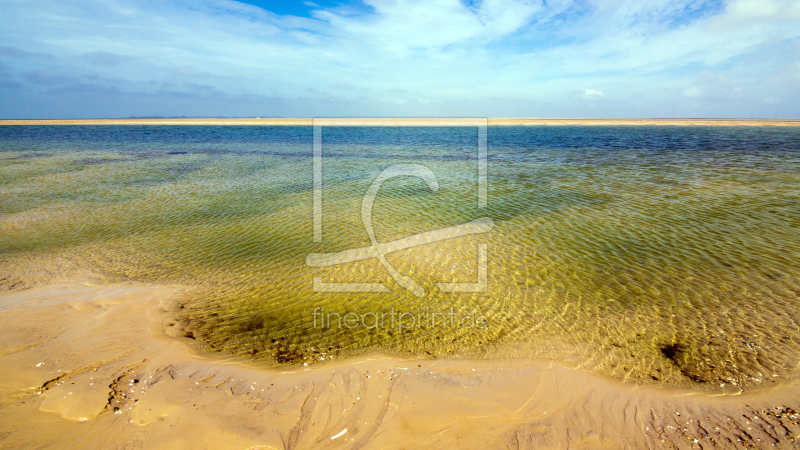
{"type": "Point", "coordinates": [415, 122]}
{"type": "Point", "coordinates": [93, 367]}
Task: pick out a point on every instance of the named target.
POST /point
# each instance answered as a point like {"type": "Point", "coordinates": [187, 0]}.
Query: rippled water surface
{"type": "Point", "coordinates": [658, 254]}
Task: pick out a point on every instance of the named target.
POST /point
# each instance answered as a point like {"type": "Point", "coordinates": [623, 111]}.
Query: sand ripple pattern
{"type": "Point", "coordinates": [651, 254]}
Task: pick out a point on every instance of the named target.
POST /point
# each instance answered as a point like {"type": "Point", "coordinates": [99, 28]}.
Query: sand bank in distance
{"type": "Point", "coordinates": [417, 122]}
{"type": "Point", "coordinates": [94, 367]}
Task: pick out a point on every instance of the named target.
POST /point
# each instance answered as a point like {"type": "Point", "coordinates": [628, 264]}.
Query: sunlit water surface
{"type": "Point", "coordinates": [656, 254]}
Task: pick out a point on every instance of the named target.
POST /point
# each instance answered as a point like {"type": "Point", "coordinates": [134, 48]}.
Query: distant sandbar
{"type": "Point", "coordinates": [415, 122]}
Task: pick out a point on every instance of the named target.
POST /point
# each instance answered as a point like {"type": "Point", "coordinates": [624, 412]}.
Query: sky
{"type": "Point", "coordinates": [399, 58]}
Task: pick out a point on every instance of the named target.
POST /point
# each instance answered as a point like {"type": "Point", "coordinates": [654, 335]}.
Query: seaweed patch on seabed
{"type": "Point", "coordinates": [677, 353]}
{"type": "Point", "coordinates": [26, 156]}
{"type": "Point", "coordinates": [261, 345]}
{"type": "Point", "coordinates": [96, 161]}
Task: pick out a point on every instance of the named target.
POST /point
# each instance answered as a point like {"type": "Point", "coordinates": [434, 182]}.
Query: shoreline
{"type": "Point", "coordinates": [91, 366]}
{"type": "Point", "coordinates": [415, 122]}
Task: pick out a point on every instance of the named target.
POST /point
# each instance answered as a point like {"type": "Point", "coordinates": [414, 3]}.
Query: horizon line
{"type": "Point", "coordinates": [406, 121]}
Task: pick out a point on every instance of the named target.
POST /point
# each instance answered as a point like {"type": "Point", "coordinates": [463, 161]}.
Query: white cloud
{"type": "Point", "coordinates": [591, 94]}
{"type": "Point", "coordinates": [740, 13]}
{"type": "Point", "coordinates": [493, 58]}
{"type": "Point", "coordinates": [401, 28]}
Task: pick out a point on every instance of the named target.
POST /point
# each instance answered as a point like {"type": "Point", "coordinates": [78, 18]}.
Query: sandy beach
{"type": "Point", "coordinates": [94, 367]}
{"type": "Point", "coordinates": [417, 122]}
{"type": "Point", "coordinates": [153, 291]}
{"type": "Point", "coordinates": [285, 225]}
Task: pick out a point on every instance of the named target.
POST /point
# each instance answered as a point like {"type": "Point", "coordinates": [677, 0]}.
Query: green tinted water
{"type": "Point", "coordinates": [676, 267]}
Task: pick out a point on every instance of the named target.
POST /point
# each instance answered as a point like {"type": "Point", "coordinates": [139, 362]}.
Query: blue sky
{"type": "Point", "coordinates": [396, 58]}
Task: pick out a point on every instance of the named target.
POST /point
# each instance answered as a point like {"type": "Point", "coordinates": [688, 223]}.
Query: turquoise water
{"type": "Point", "coordinates": [656, 254]}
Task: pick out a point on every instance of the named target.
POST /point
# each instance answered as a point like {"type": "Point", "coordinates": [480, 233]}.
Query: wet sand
{"type": "Point", "coordinates": [416, 122]}
{"type": "Point", "coordinates": [95, 367]}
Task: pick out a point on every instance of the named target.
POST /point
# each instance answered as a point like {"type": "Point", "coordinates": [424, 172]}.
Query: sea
{"type": "Point", "coordinates": [665, 255]}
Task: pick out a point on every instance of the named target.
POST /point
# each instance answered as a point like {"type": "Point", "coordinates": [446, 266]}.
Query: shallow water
{"type": "Point", "coordinates": [657, 254]}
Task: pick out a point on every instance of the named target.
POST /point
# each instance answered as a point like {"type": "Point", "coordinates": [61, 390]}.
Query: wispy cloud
{"type": "Point", "coordinates": [591, 94]}
{"type": "Point", "coordinates": [401, 57]}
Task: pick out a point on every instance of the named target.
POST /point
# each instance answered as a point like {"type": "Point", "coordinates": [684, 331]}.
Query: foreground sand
{"type": "Point", "coordinates": [416, 122]}
{"type": "Point", "coordinates": [91, 367]}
